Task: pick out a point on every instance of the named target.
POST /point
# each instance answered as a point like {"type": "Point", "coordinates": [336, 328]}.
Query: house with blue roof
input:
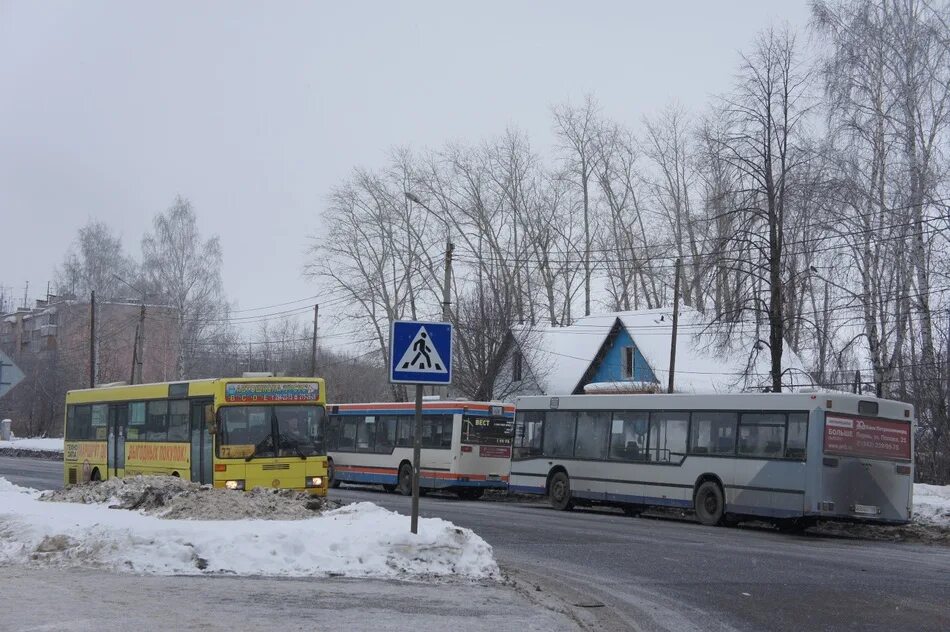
{"type": "Point", "coordinates": [629, 352]}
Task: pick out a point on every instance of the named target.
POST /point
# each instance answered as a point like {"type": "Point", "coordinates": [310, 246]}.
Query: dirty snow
{"type": "Point", "coordinates": [359, 540]}
{"type": "Point", "coordinates": [932, 504]}
{"type": "Point", "coordinates": [171, 497]}
{"type": "Point", "coordinates": [39, 444]}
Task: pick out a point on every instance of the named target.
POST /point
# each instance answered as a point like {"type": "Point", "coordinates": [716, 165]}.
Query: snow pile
{"type": "Point", "coordinates": [33, 445]}
{"type": "Point", "coordinates": [171, 497]}
{"type": "Point", "coordinates": [932, 504]}
{"type": "Point", "coordinates": [360, 540]}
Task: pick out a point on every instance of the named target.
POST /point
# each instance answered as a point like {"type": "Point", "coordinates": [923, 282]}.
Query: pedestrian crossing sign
{"type": "Point", "coordinates": [420, 353]}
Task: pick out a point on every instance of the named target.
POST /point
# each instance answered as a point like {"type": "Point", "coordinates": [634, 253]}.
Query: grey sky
{"type": "Point", "coordinates": [255, 110]}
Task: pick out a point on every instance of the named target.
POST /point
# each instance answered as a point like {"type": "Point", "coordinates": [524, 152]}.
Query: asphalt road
{"type": "Point", "coordinates": [638, 573]}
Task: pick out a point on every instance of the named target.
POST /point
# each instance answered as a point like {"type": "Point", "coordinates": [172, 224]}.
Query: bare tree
{"type": "Point", "coordinates": [576, 130]}
{"type": "Point", "coordinates": [94, 262]}
{"type": "Point", "coordinates": [765, 114]}
{"type": "Point", "coordinates": [185, 270]}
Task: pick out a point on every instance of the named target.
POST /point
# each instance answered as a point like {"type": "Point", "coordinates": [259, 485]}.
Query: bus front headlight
{"type": "Point", "coordinates": [314, 481]}
{"type": "Point", "coordinates": [239, 485]}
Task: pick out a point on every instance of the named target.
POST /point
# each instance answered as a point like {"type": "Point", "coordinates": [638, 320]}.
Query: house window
{"type": "Point", "coordinates": [516, 367]}
{"type": "Point", "coordinates": [629, 361]}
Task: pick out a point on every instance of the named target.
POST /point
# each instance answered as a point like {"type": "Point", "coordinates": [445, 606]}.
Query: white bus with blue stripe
{"type": "Point", "coordinates": [466, 446]}
{"type": "Point", "coordinates": [792, 458]}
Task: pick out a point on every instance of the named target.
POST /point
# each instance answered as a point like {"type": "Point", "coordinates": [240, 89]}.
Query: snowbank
{"type": "Point", "coordinates": [360, 540]}
{"type": "Point", "coordinates": [172, 497]}
{"type": "Point", "coordinates": [34, 445]}
{"type": "Point", "coordinates": [932, 504]}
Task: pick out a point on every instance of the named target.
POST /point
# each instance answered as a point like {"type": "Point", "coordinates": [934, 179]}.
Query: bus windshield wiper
{"type": "Point", "coordinates": [260, 444]}
{"type": "Point", "coordinates": [293, 443]}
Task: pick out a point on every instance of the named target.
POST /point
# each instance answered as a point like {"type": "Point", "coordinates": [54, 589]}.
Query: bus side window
{"type": "Point", "coordinates": [386, 434]}
{"type": "Point", "coordinates": [762, 435]}
{"type": "Point", "coordinates": [713, 433]}
{"type": "Point", "coordinates": [178, 420]}
{"type": "Point", "coordinates": [80, 424]}
{"type": "Point", "coordinates": [559, 429]}
{"type": "Point", "coordinates": [797, 436]}
{"type": "Point", "coordinates": [527, 440]}
{"type": "Point", "coordinates": [404, 431]}
{"type": "Point", "coordinates": [348, 434]}
{"type": "Point", "coordinates": [156, 422]}
{"type": "Point", "coordinates": [593, 433]}
{"type": "Point", "coordinates": [668, 436]}
{"type": "Point", "coordinates": [333, 432]}
{"type": "Point", "coordinates": [628, 436]}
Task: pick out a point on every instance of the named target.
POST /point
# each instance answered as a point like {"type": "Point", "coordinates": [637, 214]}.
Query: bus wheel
{"type": "Point", "coordinates": [470, 493]}
{"type": "Point", "coordinates": [560, 492]}
{"type": "Point", "coordinates": [405, 480]}
{"type": "Point", "coordinates": [331, 474]}
{"type": "Point", "coordinates": [708, 503]}
{"type": "Point", "coordinates": [632, 510]}
{"type": "Point", "coordinates": [95, 476]}
{"type": "Point", "coordinates": [389, 488]}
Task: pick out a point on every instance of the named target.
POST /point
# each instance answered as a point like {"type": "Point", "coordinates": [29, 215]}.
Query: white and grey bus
{"type": "Point", "coordinates": [791, 458]}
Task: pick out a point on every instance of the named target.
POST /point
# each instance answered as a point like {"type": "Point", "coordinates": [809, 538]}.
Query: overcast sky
{"type": "Point", "coordinates": [254, 111]}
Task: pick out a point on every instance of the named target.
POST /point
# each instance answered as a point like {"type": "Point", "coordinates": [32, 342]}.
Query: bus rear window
{"type": "Point", "coordinates": [488, 430]}
{"type": "Point", "coordinates": [869, 438]}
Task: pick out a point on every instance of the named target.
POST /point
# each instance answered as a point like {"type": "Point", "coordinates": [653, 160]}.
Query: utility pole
{"type": "Point", "coordinates": [416, 462]}
{"type": "Point", "coordinates": [313, 346]}
{"type": "Point", "coordinates": [676, 316]}
{"type": "Point", "coordinates": [92, 340]}
{"type": "Point", "coordinates": [140, 344]}
{"type": "Point", "coordinates": [135, 349]}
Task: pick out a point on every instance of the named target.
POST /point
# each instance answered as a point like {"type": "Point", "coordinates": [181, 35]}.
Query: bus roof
{"type": "Point", "coordinates": [159, 390]}
{"type": "Point", "coordinates": [440, 405]}
{"type": "Point", "coordinates": [836, 401]}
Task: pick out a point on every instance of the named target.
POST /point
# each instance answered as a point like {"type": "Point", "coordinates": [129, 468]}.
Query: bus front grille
{"type": "Point", "coordinates": [72, 476]}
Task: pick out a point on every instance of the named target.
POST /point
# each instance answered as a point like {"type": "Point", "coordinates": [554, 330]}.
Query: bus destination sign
{"type": "Point", "coordinates": [250, 392]}
{"type": "Point", "coordinates": [871, 438]}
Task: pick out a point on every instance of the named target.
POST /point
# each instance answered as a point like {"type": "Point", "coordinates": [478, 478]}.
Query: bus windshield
{"type": "Point", "coordinates": [268, 431]}
{"type": "Point", "coordinates": [488, 430]}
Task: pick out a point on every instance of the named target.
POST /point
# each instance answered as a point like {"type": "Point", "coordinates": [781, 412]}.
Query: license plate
{"type": "Point", "coordinates": [868, 510]}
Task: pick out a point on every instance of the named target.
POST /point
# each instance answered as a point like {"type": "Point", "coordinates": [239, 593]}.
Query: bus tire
{"type": "Point", "coordinates": [405, 480]}
{"type": "Point", "coordinates": [389, 489]}
{"type": "Point", "coordinates": [559, 492]}
{"type": "Point", "coordinates": [633, 511]}
{"type": "Point", "coordinates": [95, 475]}
{"type": "Point", "coordinates": [708, 503]}
{"type": "Point", "coordinates": [331, 474]}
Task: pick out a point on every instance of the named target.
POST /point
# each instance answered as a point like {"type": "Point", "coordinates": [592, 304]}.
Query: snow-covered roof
{"type": "Point", "coordinates": [703, 365]}
{"type": "Point", "coordinates": [558, 357]}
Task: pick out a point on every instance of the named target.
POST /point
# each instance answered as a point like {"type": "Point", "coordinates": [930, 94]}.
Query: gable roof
{"type": "Point", "coordinates": [558, 357]}
{"type": "Point", "coordinates": [702, 365]}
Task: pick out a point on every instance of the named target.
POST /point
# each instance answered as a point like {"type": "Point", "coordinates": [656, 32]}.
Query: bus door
{"type": "Point", "coordinates": [200, 443]}
{"type": "Point", "coordinates": [118, 422]}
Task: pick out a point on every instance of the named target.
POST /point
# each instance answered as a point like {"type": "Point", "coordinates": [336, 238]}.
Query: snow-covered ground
{"type": "Point", "coordinates": [36, 445]}
{"type": "Point", "coordinates": [932, 504]}
{"type": "Point", "coordinates": [359, 540]}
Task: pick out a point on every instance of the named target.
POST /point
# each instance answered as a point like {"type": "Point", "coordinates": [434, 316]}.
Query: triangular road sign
{"type": "Point", "coordinates": [421, 356]}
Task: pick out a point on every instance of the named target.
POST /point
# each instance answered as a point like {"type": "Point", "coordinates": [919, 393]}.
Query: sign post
{"type": "Point", "coordinates": [420, 353]}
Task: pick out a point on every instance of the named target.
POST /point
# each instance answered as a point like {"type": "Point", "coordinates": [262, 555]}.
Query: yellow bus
{"type": "Point", "coordinates": [238, 433]}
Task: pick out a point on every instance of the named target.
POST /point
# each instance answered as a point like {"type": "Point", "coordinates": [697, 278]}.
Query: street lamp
{"type": "Point", "coordinates": [449, 247]}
